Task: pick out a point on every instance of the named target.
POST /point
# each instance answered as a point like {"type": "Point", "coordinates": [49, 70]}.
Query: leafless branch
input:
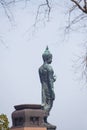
{"type": "Point", "coordinates": [80, 67]}
{"type": "Point", "coordinates": [46, 12]}
{"type": "Point", "coordinates": [49, 7]}
{"type": "Point", "coordinates": [78, 18]}
{"type": "Point", "coordinates": [2, 42]}
{"type": "Point", "coordinates": [7, 10]}
{"type": "Point", "coordinates": [74, 7]}
{"type": "Point", "coordinates": [84, 8]}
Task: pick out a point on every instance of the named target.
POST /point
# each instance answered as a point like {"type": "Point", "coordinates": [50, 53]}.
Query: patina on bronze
{"type": "Point", "coordinates": [47, 79]}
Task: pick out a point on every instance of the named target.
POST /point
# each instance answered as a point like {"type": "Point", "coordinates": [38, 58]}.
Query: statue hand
{"type": "Point", "coordinates": [54, 78]}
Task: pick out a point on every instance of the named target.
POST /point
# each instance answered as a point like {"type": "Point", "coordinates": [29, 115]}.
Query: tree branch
{"type": "Point", "coordinates": [46, 13]}
{"type": "Point", "coordinates": [79, 6]}
{"type": "Point", "coordinates": [47, 1]}
{"type": "Point", "coordinates": [6, 9]}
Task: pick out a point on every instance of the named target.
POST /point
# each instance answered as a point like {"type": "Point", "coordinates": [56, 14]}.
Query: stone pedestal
{"type": "Point", "coordinates": [30, 117]}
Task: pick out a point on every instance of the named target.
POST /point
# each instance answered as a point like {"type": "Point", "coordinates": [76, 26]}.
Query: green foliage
{"type": "Point", "coordinates": [4, 122]}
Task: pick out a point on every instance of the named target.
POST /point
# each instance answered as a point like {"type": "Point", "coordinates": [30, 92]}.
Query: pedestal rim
{"type": "Point", "coordinates": [28, 106]}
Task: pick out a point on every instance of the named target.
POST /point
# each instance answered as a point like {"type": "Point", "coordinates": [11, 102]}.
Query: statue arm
{"type": "Point", "coordinates": [50, 79]}
{"type": "Point", "coordinates": [40, 75]}
{"type": "Point", "coordinates": [51, 85]}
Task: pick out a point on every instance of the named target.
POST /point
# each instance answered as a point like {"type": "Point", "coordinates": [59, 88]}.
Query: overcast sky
{"type": "Point", "coordinates": [21, 49]}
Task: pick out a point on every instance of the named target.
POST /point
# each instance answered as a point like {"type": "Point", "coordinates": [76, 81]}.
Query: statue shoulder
{"type": "Point", "coordinates": [48, 67]}
{"type": "Point", "coordinates": [44, 67]}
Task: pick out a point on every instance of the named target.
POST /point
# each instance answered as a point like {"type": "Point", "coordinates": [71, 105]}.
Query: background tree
{"type": "Point", "coordinates": [4, 122]}
{"type": "Point", "coordinates": [77, 20]}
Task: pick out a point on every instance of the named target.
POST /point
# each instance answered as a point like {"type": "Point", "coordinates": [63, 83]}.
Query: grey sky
{"type": "Point", "coordinates": [20, 58]}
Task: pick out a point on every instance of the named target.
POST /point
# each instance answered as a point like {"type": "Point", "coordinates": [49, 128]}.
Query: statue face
{"type": "Point", "coordinates": [49, 60]}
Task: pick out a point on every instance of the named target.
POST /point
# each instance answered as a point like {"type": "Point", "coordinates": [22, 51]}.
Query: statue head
{"type": "Point", "coordinates": [47, 56]}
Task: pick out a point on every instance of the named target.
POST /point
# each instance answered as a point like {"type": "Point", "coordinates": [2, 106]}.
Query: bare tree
{"type": "Point", "coordinates": [77, 16]}
{"type": "Point", "coordinates": [46, 4]}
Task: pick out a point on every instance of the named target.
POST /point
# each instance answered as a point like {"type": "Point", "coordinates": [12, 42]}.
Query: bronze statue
{"type": "Point", "coordinates": [47, 79]}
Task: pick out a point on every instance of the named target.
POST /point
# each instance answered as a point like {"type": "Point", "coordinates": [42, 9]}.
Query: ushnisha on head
{"type": "Point", "coordinates": [47, 56]}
